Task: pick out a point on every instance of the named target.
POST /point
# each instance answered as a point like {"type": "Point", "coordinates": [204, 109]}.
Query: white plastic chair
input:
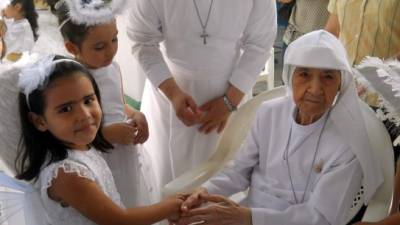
{"type": "Point", "coordinates": [380, 204]}
{"type": "Point", "coordinates": [236, 131]}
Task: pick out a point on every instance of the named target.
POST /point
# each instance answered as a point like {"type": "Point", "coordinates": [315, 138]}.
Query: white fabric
{"type": "Point", "coordinates": [10, 128]}
{"type": "Point", "coordinates": [86, 164]}
{"type": "Point", "coordinates": [50, 40]}
{"type": "Point", "coordinates": [20, 202]}
{"type": "Point", "coordinates": [382, 76]}
{"type": "Point", "coordinates": [261, 167]}
{"type": "Point", "coordinates": [123, 160]}
{"type": "Point", "coordinates": [19, 36]}
{"type": "Point", "coordinates": [241, 36]}
{"type": "Point", "coordinates": [34, 76]}
{"type": "Point", "coordinates": [94, 12]}
{"type": "Point", "coordinates": [320, 49]}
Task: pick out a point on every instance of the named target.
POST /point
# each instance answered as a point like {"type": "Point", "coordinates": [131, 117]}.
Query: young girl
{"type": "Point", "coordinates": [95, 47]}
{"type": "Point", "coordinates": [20, 19]}
{"type": "Point", "coordinates": [61, 121]}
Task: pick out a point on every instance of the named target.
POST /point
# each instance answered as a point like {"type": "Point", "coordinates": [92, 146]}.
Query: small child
{"type": "Point", "coordinates": [95, 46]}
{"type": "Point", "coordinates": [20, 33]}
{"type": "Point", "coordinates": [61, 121]}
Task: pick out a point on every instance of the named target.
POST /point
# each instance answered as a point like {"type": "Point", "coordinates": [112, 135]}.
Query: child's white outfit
{"type": "Point", "coordinates": [88, 164]}
{"type": "Point", "coordinates": [123, 160]}
{"type": "Point", "coordinates": [19, 36]}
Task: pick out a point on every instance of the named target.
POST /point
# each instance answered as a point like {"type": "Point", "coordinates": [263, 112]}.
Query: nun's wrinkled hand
{"type": "Point", "coordinates": [216, 116]}
{"type": "Point", "coordinates": [221, 212]}
{"type": "Point", "coordinates": [194, 200]}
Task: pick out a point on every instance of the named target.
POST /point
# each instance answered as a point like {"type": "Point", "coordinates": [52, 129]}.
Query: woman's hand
{"type": "Point", "coordinates": [216, 116]}
{"type": "Point", "coordinates": [138, 120]}
{"type": "Point", "coordinates": [223, 212]}
{"type": "Point", "coordinates": [185, 107]}
{"type": "Point", "coordinates": [120, 133]}
{"type": "Point", "coordinates": [217, 113]}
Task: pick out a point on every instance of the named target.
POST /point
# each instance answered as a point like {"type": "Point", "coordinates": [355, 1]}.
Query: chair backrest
{"type": "Point", "coordinates": [381, 145]}
{"type": "Point", "coordinates": [229, 142]}
{"type": "Point", "coordinates": [380, 204]}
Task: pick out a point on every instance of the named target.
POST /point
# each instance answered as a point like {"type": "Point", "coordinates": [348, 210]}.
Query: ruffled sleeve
{"type": "Point", "coordinates": [68, 166]}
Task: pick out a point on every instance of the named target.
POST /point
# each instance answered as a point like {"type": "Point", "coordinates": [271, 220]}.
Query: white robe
{"type": "Point", "coordinates": [241, 34]}
{"type": "Point", "coordinates": [19, 36]}
{"type": "Point", "coordinates": [261, 167]}
{"type": "Point", "coordinates": [123, 160]}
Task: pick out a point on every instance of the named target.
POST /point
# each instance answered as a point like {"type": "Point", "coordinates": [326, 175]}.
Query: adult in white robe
{"type": "Point", "coordinates": [298, 174]}
{"type": "Point", "coordinates": [199, 71]}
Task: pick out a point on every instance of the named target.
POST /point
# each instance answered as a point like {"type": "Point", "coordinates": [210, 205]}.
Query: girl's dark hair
{"type": "Point", "coordinates": [70, 31]}
{"type": "Point", "coordinates": [37, 148]}
{"type": "Point", "coordinates": [30, 14]}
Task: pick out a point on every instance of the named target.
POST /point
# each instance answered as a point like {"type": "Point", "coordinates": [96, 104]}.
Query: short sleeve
{"type": "Point", "coordinates": [68, 166]}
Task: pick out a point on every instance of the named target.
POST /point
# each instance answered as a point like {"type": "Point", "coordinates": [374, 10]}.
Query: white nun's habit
{"type": "Point", "coordinates": [240, 36]}
{"type": "Point", "coordinates": [324, 178]}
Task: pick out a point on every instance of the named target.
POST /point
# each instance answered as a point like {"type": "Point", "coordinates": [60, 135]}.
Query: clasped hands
{"type": "Point", "coordinates": [200, 207]}
{"type": "Point", "coordinates": [211, 116]}
{"type": "Point", "coordinates": [133, 131]}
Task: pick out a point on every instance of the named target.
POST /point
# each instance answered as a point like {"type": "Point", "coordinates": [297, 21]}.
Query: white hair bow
{"type": "Point", "coordinates": [33, 76]}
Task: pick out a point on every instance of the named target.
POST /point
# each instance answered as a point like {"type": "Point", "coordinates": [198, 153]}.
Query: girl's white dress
{"type": "Point", "coordinates": [19, 36]}
{"type": "Point", "coordinates": [123, 160]}
{"type": "Point", "coordinates": [88, 164]}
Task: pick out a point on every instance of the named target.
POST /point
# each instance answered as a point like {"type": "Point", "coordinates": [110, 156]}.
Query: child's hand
{"type": "Point", "coordinates": [120, 133]}
{"type": "Point", "coordinates": [139, 121]}
{"type": "Point", "coordinates": [194, 200]}
{"type": "Point", "coordinates": [175, 203]}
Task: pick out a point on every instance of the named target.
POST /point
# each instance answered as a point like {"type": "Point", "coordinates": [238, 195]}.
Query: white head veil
{"type": "Point", "coordinates": [320, 49]}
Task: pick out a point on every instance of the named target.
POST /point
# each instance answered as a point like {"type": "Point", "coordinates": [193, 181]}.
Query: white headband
{"type": "Point", "coordinates": [36, 75]}
{"type": "Point", "coordinates": [91, 12]}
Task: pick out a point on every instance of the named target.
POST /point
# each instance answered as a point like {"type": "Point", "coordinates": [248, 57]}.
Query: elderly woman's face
{"type": "Point", "coordinates": [314, 90]}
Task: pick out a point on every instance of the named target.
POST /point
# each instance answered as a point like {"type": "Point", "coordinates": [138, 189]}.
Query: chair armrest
{"type": "Point", "coordinates": [191, 179]}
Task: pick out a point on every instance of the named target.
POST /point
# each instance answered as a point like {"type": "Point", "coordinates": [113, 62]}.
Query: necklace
{"type": "Point", "coordinates": [286, 158]}
{"type": "Point", "coordinates": [204, 33]}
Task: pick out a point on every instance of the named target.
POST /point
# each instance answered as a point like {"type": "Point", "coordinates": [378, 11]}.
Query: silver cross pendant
{"type": "Point", "coordinates": [204, 35]}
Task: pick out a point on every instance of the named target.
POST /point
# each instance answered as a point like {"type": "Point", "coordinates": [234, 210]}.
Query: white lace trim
{"type": "Point", "coordinates": [68, 166]}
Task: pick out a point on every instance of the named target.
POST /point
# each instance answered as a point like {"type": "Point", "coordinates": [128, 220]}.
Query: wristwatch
{"type": "Point", "coordinates": [229, 104]}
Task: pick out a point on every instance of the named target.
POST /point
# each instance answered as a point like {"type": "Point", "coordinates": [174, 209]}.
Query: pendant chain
{"type": "Point", "coordinates": [286, 158]}
{"type": "Point", "coordinates": [204, 33]}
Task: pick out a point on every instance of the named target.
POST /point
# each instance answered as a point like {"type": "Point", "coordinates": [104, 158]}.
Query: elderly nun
{"type": "Point", "coordinates": [307, 153]}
